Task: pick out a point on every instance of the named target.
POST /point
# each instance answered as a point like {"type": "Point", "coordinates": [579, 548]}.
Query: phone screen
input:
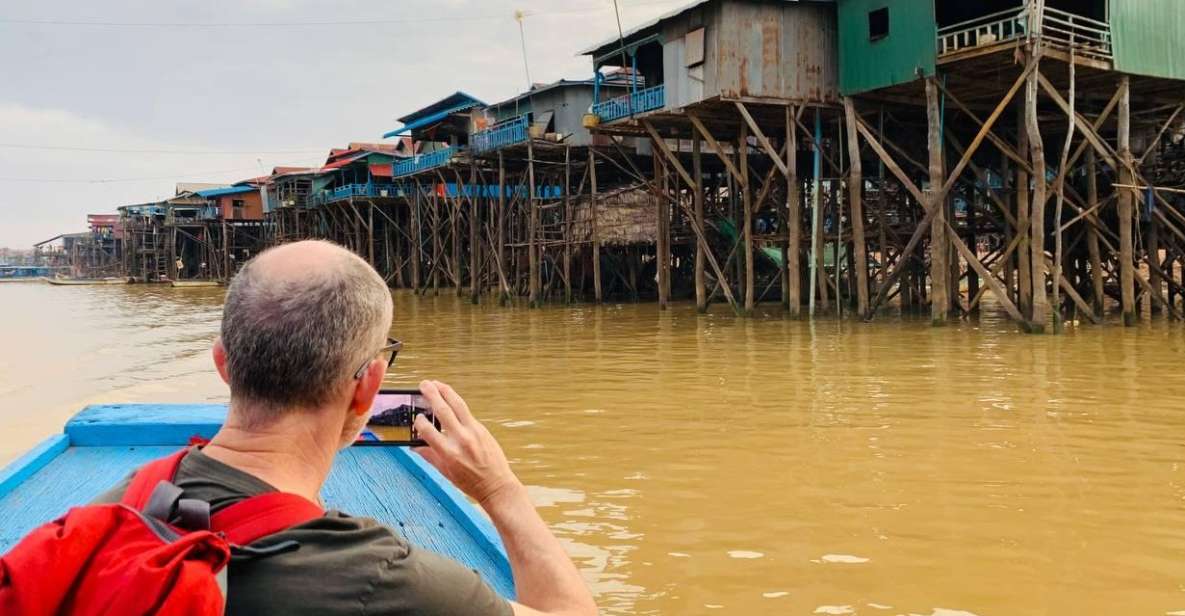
{"type": "Point", "coordinates": [392, 419]}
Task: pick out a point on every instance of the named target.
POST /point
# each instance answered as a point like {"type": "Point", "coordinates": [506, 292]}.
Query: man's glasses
{"type": "Point", "coordinates": [393, 347]}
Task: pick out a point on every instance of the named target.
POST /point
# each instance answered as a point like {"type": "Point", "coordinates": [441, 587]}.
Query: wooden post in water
{"type": "Point", "coordinates": [534, 282]}
{"type": "Point", "coordinates": [1127, 270]}
{"type": "Point", "coordinates": [662, 245]}
{"type": "Point", "coordinates": [596, 236]}
{"type": "Point", "coordinates": [939, 250]}
{"type": "Point", "coordinates": [1024, 279]}
{"type": "Point", "coordinates": [856, 191]}
{"type": "Point", "coordinates": [501, 221]}
{"type": "Point", "coordinates": [474, 240]}
{"type": "Point", "coordinates": [437, 249]}
{"type": "Point", "coordinates": [1037, 229]}
{"type": "Point", "coordinates": [567, 224]}
{"type": "Point", "coordinates": [746, 218]}
{"type": "Point", "coordinates": [697, 174]}
{"type": "Point", "coordinates": [1098, 295]}
{"type": "Point", "coordinates": [416, 249]}
{"type": "Point", "coordinates": [793, 217]}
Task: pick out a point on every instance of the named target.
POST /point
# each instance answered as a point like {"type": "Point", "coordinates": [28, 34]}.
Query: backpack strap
{"type": "Point", "coordinates": [148, 476]}
{"type": "Point", "coordinates": [266, 514]}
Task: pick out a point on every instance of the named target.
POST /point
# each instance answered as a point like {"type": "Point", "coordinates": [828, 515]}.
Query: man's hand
{"type": "Point", "coordinates": [463, 450]}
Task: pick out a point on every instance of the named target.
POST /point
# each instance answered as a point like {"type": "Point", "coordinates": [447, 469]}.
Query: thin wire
{"type": "Point", "coordinates": [27, 146]}
{"type": "Point", "coordinates": [305, 24]}
{"type": "Point", "coordinates": [174, 176]}
{"type": "Point", "coordinates": [520, 16]}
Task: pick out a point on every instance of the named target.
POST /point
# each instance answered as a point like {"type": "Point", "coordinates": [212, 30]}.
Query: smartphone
{"type": "Point", "coordinates": [392, 419]}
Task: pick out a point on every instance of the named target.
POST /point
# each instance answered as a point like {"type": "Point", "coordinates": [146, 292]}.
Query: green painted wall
{"type": "Point", "coordinates": [1148, 37]}
{"type": "Point", "coordinates": [911, 44]}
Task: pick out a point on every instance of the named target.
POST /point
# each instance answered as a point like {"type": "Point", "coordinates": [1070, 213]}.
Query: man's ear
{"type": "Point", "coordinates": [368, 387]}
{"type": "Point", "coordinates": [219, 353]}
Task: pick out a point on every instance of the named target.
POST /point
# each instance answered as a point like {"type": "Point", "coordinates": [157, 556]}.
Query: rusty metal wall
{"type": "Point", "coordinates": [774, 50]}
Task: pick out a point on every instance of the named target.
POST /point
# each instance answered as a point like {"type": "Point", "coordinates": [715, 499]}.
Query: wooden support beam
{"type": "Point", "coordinates": [1037, 229]}
{"type": "Point", "coordinates": [973, 260]}
{"type": "Point", "coordinates": [715, 145]}
{"type": "Point", "coordinates": [567, 263]}
{"type": "Point", "coordinates": [856, 192]}
{"type": "Point", "coordinates": [1063, 170]}
{"type": "Point", "coordinates": [939, 243]}
{"type": "Point", "coordinates": [698, 229]}
{"type": "Point", "coordinates": [794, 218]}
{"type": "Point", "coordinates": [697, 190]}
{"type": "Point", "coordinates": [746, 218]}
{"type": "Point", "coordinates": [1098, 295]}
{"type": "Point", "coordinates": [1127, 270]}
{"type": "Point", "coordinates": [474, 238]}
{"type": "Point", "coordinates": [596, 236]}
{"type": "Point", "coordinates": [761, 139]}
{"type": "Point", "coordinates": [533, 252]}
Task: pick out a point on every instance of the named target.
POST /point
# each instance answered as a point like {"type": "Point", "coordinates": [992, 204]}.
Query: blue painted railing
{"type": "Point", "coordinates": [424, 162]}
{"type": "Point", "coordinates": [341, 193]}
{"type": "Point", "coordinates": [501, 135]}
{"type": "Point", "coordinates": [640, 101]}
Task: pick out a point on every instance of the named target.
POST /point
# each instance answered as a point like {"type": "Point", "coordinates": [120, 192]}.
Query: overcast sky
{"type": "Point", "coordinates": [258, 95]}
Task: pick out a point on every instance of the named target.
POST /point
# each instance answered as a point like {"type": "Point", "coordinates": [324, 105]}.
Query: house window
{"type": "Point", "coordinates": [878, 24]}
{"type": "Point", "coordinates": [237, 205]}
{"type": "Point", "coordinates": [694, 47]}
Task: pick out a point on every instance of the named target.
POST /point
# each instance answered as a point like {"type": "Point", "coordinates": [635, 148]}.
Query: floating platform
{"type": "Point", "coordinates": [77, 282]}
{"type": "Point", "coordinates": [24, 279]}
{"type": "Point", "coordinates": [103, 444]}
{"type": "Point", "coordinates": [196, 283]}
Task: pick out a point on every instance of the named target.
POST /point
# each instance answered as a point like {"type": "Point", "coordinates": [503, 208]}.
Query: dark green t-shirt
{"type": "Point", "coordinates": [344, 565]}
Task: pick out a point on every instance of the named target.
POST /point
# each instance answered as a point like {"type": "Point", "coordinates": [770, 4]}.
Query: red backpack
{"type": "Point", "coordinates": [127, 559]}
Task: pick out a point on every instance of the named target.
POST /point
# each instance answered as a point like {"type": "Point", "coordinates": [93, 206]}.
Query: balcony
{"type": "Point", "coordinates": [501, 135]}
{"type": "Point", "coordinates": [1087, 37]}
{"type": "Point", "coordinates": [342, 193]}
{"type": "Point", "coordinates": [631, 104]}
{"type": "Point", "coordinates": [424, 162]}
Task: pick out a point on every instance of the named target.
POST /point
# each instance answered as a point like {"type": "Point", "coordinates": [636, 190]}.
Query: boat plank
{"type": "Point", "coordinates": [106, 442]}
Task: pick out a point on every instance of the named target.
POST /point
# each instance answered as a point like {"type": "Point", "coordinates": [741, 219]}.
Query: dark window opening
{"type": "Point", "coordinates": [878, 24]}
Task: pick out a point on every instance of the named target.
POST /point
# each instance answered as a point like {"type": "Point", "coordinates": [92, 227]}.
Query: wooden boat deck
{"type": "Point", "coordinates": [102, 444]}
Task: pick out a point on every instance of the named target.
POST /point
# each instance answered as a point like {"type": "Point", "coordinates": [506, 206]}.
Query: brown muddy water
{"type": "Point", "coordinates": [700, 465]}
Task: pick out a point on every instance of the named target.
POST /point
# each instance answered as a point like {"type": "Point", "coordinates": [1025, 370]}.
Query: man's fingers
{"type": "Point", "coordinates": [429, 455]}
{"type": "Point", "coordinates": [440, 409]}
{"type": "Point", "coordinates": [428, 432]}
{"type": "Point", "coordinates": [456, 402]}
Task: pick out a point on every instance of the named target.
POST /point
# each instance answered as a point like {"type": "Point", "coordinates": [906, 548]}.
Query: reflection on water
{"type": "Point", "coordinates": [714, 465]}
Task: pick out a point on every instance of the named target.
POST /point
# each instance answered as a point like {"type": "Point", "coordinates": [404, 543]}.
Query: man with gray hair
{"type": "Point", "coordinates": [302, 330]}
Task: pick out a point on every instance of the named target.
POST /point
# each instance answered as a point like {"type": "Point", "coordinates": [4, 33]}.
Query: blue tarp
{"type": "Point", "coordinates": [413, 121]}
{"type": "Point", "coordinates": [219, 192]}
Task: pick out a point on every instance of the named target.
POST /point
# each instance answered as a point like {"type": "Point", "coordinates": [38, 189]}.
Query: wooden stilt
{"type": "Point", "coordinates": [697, 190]}
{"type": "Point", "coordinates": [939, 250]}
{"type": "Point", "coordinates": [567, 224]}
{"type": "Point", "coordinates": [474, 238]}
{"type": "Point", "coordinates": [534, 285]}
{"type": "Point", "coordinates": [1092, 236]}
{"type": "Point", "coordinates": [1127, 273]}
{"type": "Point", "coordinates": [1023, 254]}
{"type": "Point", "coordinates": [598, 293]}
{"type": "Point", "coordinates": [856, 192]}
{"type": "Point", "coordinates": [746, 217]}
{"type": "Point", "coordinates": [500, 236]}
{"type": "Point", "coordinates": [794, 218]}
{"type": "Point", "coordinates": [662, 207]}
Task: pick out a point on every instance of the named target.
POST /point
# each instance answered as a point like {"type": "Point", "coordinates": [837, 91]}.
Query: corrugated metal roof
{"type": "Point", "coordinates": [342, 161]}
{"type": "Point", "coordinates": [615, 42]}
{"type": "Point", "coordinates": [441, 109]}
{"type": "Point", "coordinates": [219, 192]}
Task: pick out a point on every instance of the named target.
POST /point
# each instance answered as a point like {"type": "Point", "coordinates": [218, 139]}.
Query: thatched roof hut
{"type": "Point", "coordinates": [624, 216]}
